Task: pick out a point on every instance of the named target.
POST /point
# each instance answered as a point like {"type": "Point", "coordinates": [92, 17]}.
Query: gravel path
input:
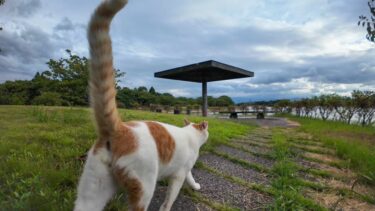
{"type": "Point", "coordinates": [182, 203]}
{"type": "Point", "coordinates": [252, 148]}
{"type": "Point", "coordinates": [232, 169]}
{"type": "Point", "coordinates": [258, 139]}
{"type": "Point", "coordinates": [220, 190]}
{"type": "Point", "coordinates": [254, 143]}
{"type": "Point", "coordinates": [271, 122]}
{"type": "Point", "coordinates": [245, 156]}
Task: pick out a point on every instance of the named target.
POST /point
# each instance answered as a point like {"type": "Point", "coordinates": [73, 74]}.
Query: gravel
{"type": "Point", "coordinates": [220, 190]}
{"type": "Point", "coordinates": [182, 203]}
{"type": "Point", "coordinates": [269, 122]}
{"type": "Point", "coordinates": [254, 143]}
{"type": "Point", "coordinates": [223, 191]}
{"type": "Point", "coordinates": [259, 140]}
{"type": "Point", "coordinates": [245, 156]}
{"type": "Point", "coordinates": [233, 169]}
{"type": "Point", "coordinates": [252, 148]}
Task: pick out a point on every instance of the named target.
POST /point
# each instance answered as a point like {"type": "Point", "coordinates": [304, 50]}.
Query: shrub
{"type": "Point", "coordinates": [48, 99]}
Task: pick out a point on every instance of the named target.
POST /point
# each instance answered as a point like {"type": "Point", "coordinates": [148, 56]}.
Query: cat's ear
{"type": "Point", "coordinates": [186, 122]}
{"type": "Point", "coordinates": [204, 125]}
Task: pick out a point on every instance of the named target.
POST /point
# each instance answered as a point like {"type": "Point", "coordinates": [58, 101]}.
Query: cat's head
{"type": "Point", "coordinates": [202, 129]}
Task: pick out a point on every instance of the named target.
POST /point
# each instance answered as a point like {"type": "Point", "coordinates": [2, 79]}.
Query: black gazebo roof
{"type": "Point", "coordinates": [204, 72]}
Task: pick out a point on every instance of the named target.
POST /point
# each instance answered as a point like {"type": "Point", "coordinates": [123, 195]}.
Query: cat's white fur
{"type": "Point", "coordinates": [97, 185]}
{"type": "Point", "coordinates": [141, 163]}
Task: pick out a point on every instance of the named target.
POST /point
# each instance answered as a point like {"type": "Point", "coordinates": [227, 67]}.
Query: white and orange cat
{"type": "Point", "coordinates": [133, 155]}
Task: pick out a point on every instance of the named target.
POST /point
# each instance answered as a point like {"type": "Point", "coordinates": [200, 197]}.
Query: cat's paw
{"type": "Point", "coordinates": [196, 186]}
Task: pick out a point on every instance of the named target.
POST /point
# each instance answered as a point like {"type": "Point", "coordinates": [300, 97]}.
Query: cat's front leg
{"type": "Point", "coordinates": [191, 182]}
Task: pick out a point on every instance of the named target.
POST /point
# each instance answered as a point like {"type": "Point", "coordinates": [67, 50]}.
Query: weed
{"type": "Point", "coordinates": [285, 182]}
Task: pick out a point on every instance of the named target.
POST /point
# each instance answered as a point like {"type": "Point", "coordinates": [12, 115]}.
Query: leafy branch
{"type": "Point", "coordinates": [369, 22]}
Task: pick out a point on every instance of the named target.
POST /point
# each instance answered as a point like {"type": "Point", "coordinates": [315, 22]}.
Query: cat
{"type": "Point", "coordinates": [136, 154]}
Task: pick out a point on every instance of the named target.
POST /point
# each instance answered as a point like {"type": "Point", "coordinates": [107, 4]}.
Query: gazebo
{"type": "Point", "coordinates": [204, 72]}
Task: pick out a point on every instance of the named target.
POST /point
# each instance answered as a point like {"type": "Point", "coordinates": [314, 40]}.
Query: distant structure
{"type": "Point", "coordinates": [204, 72]}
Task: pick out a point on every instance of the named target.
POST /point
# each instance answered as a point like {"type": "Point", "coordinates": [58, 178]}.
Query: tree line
{"type": "Point", "coordinates": [65, 83]}
{"type": "Point", "coordinates": [360, 105]}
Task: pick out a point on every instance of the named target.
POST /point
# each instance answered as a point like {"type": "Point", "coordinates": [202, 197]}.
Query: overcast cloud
{"type": "Point", "coordinates": [296, 48]}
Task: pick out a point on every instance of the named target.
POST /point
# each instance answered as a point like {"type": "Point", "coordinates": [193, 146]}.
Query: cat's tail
{"type": "Point", "coordinates": [102, 80]}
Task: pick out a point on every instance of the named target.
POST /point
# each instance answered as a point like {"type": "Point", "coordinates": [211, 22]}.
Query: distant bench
{"type": "Point", "coordinates": [234, 114]}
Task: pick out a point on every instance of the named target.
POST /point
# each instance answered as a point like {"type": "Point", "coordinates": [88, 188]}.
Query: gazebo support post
{"type": "Point", "coordinates": [204, 98]}
{"type": "Point", "coordinates": [204, 72]}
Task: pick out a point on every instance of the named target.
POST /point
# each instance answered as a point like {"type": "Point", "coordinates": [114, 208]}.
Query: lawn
{"type": "Point", "coordinates": [353, 143]}
{"type": "Point", "coordinates": [40, 149]}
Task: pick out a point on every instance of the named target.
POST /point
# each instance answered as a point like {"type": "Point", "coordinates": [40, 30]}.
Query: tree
{"type": "Point", "coordinates": [325, 106]}
{"type": "Point", "coordinates": [15, 93]}
{"type": "Point", "coordinates": [65, 81]}
{"type": "Point", "coordinates": [308, 106]}
{"type": "Point", "coordinates": [283, 106]}
{"type": "Point", "coordinates": [152, 90]}
{"type": "Point", "coordinates": [223, 101]}
{"type": "Point", "coordinates": [344, 107]}
{"type": "Point", "coordinates": [365, 102]}
{"type": "Point", "coordinates": [297, 105]}
{"type": "Point", "coordinates": [166, 99]}
{"type": "Point", "coordinates": [126, 98]}
{"type": "Point", "coordinates": [48, 99]}
{"type": "Point", "coordinates": [369, 21]}
{"type": "Point", "coordinates": [72, 75]}
{"type": "Point", "coordinates": [142, 89]}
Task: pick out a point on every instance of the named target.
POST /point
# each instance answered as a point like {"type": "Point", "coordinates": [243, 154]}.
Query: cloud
{"type": "Point", "coordinates": [296, 48]}
{"type": "Point", "coordinates": [23, 8]}
{"type": "Point", "coordinates": [23, 50]}
{"type": "Point", "coordinates": [65, 25]}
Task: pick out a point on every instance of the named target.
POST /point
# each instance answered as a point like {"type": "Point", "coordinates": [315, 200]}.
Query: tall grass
{"type": "Point", "coordinates": [40, 149]}
{"type": "Point", "coordinates": [353, 143]}
{"type": "Point", "coordinates": [285, 181]}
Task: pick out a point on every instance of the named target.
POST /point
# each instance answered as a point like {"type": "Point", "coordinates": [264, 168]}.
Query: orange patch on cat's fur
{"type": "Point", "coordinates": [124, 142]}
{"type": "Point", "coordinates": [164, 141]}
{"type": "Point", "coordinates": [201, 126]}
{"type": "Point", "coordinates": [132, 185]}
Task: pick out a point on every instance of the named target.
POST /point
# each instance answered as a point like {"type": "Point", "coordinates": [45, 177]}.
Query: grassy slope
{"type": "Point", "coordinates": [40, 147]}
{"type": "Point", "coordinates": [353, 143]}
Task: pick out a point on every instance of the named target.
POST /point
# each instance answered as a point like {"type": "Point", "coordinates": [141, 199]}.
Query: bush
{"type": "Point", "coordinates": [48, 99]}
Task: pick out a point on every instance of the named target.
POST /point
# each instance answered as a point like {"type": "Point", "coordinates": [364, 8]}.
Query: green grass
{"type": "Point", "coordinates": [40, 149]}
{"type": "Point", "coordinates": [313, 150]}
{"type": "Point", "coordinates": [353, 143]}
{"type": "Point", "coordinates": [285, 181]}
{"type": "Point", "coordinates": [324, 174]}
{"type": "Point", "coordinates": [197, 197]}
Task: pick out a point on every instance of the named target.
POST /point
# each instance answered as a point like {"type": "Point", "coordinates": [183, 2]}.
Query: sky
{"type": "Point", "coordinates": [295, 48]}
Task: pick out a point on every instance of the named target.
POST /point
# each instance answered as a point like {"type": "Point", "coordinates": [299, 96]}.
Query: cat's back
{"type": "Point", "coordinates": [156, 129]}
{"type": "Point", "coordinates": [165, 138]}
